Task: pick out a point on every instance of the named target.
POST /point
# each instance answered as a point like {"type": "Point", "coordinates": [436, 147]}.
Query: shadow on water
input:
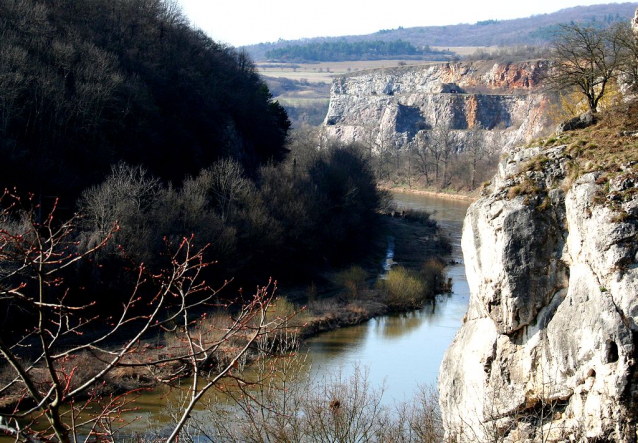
{"type": "Point", "coordinates": [403, 351]}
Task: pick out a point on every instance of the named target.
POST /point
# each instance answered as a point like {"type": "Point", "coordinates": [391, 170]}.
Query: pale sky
{"type": "Point", "coordinates": [242, 22]}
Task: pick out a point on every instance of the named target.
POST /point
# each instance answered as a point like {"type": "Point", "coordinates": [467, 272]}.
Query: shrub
{"type": "Point", "coordinates": [352, 279]}
{"type": "Point", "coordinates": [433, 276]}
{"type": "Point", "coordinates": [418, 216]}
{"type": "Point", "coordinates": [283, 311]}
{"type": "Point", "coordinates": [404, 288]}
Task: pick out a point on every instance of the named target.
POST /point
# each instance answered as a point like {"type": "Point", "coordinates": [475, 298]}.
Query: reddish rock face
{"type": "Point", "coordinates": [494, 76]}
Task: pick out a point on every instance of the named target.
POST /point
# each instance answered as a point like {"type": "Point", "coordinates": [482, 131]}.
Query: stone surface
{"type": "Point", "coordinates": [547, 351]}
{"type": "Point", "coordinates": [582, 121]}
{"type": "Point", "coordinates": [387, 108]}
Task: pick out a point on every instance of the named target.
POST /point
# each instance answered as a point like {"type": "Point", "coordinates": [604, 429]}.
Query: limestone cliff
{"type": "Point", "coordinates": [389, 107]}
{"type": "Point", "coordinates": [547, 351]}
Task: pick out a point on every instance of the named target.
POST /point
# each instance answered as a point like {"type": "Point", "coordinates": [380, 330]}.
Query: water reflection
{"type": "Point", "coordinates": [394, 328]}
{"type": "Point", "coordinates": [403, 351]}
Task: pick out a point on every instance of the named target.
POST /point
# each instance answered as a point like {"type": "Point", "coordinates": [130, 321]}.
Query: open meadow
{"type": "Point", "coordinates": [326, 71]}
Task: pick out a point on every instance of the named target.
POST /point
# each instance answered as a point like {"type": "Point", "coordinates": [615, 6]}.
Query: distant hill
{"type": "Point", "coordinates": [534, 30]}
{"type": "Point", "coordinates": [343, 50]}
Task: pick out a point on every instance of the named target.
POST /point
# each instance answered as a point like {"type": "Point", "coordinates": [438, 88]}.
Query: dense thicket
{"type": "Point", "coordinates": [315, 210]}
{"type": "Point", "coordinates": [343, 50]}
{"type": "Point", "coordinates": [85, 84]}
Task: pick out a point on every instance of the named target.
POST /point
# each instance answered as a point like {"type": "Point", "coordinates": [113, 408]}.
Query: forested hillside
{"type": "Point", "coordinates": [537, 29]}
{"type": "Point", "coordinates": [343, 50]}
{"type": "Point", "coordinates": [85, 84]}
{"type": "Point", "coordinates": [153, 133]}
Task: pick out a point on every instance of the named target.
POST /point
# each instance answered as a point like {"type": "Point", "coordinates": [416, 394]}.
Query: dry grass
{"type": "Point", "coordinates": [326, 71]}
{"type": "Point", "coordinates": [526, 187]}
{"type": "Point", "coordinates": [606, 146]}
{"type": "Point", "coordinates": [609, 148]}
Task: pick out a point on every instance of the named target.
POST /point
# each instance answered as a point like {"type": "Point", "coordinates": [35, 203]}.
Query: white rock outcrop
{"type": "Point", "coordinates": [547, 351]}
{"type": "Point", "coordinates": [387, 108]}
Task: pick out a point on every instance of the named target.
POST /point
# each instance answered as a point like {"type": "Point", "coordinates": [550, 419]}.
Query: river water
{"type": "Point", "coordinates": [403, 351]}
{"type": "Point", "coordinates": [400, 352]}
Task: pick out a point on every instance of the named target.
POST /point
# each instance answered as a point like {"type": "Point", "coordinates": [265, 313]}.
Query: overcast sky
{"type": "Point", "coordinates": [242, 22]}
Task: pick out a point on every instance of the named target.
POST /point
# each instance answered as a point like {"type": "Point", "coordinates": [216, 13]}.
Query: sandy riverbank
{"type": "Point", "coordinates": [449, 195]}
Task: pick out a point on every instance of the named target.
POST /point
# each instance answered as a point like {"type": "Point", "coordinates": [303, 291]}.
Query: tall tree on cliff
{"type": "Point", "coordinates": [587, 59]}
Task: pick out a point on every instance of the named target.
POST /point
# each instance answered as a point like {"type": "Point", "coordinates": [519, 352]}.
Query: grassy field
{"type": "Point", "coordinates": [326, 71]}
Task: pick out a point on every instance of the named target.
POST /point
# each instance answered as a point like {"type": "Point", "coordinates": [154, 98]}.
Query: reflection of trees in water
{"type": "Point", "coordinates": [340, 341]}
{"type": "Point", "coordinates": [396, 326]}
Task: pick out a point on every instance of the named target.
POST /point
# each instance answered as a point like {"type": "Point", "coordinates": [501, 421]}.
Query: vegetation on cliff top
{"type": "Point", "coordinates": [608, 148]}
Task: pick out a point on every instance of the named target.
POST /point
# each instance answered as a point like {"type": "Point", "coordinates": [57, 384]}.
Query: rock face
{"type": "Point", "coordinates": [389, 107]}
{"type": "Point", "coordinates": [547, 351]}
{"type": "Point", "coordinates": [580, 122]}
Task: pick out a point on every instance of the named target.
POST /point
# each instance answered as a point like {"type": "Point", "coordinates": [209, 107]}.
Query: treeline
{"type": "Point", "coordinates": [522, 31]}
{"type": "Point", "coordinates": [343, 50]}
{"type": "Point", "coordinates": [85, 84]}
{"type": "Point", "coordinates": [315, 210]}
{"type": "Point", "coordinates": [509, 54]}
{"type": "Point", "coordinates": [549, 33]}
{"type": "Point", "coordinates": [440, 158]}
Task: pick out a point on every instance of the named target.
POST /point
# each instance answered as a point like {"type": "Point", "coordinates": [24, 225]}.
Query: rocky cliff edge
{"type": "Point", "coordinates": [387, 108]}
{"type": "Point", "coordinates": [548, 348]}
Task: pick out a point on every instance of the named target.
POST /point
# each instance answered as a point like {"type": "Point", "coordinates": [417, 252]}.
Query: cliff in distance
{"type": "Point", "coordinates": [388, 109]}
{"type": "Point", "coordinates": [548, 348]}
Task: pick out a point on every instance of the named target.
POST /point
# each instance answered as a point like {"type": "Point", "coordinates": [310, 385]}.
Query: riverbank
{"type": "Point", "coordinates": [356, 294]}
{"type": "Point", "coordinates": [452, 195]}
{"type": "Point", "coordinates": [341, 298]}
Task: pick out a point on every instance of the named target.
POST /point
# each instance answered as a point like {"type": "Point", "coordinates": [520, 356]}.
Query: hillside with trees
{"type": "Point", "coordinates": [124, 113]}
{"type": "Point", "coordinates": [144, 168]}
{"type": "Point", "coordinates": [537, 30]}
{"type": "Point", "coordinates": [88, 84]}
{"type": "Point", "coordinates": [343, 50]}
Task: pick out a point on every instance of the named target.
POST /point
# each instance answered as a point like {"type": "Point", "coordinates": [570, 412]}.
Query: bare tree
{"type": "Point", "coordinates": [586, 58]}
{"type": "Point", "coordinates": [443, 149]}
{"type": "Point", "coordinates": [46, 357]}
{"type": "Point", "coordinates": [476, 149]}
{"type": "Point", "coordinates": [222, 184]}
{"type": "Point", "coordinates": [127, 189]}
{"type": "Point", "coordinates": [628, 39]}
{"type": "Point", "coordinates": [422, 150]}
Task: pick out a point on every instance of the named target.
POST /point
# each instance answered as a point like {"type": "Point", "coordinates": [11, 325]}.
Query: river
{"type": "Point", "coordinates": [403, 351]}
